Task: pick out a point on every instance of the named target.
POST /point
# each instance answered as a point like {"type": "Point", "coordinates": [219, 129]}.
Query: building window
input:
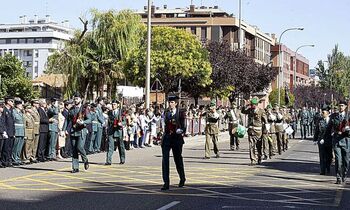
{"type": "Point", "coordinates": [2, 41]}
{"type": "Point", "coordinates": [30, 41]}
{"type": "Point", "coordinates": [203, 33]}
{"type": "Point", "coordinates": [29, 53]}
{"type": "Point", "coordinates": [14, 41]}
{"type": "Point", "coordinates": [22, 41]}
{"type": "Point", "coordinates": [39, 40]}
{"type": "Point", "coordinates": [193, 30]}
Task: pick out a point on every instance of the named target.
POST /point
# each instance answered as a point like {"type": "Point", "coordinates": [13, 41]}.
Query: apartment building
{"type": "Point", "coordinates": [33, 41]}
{"type": "Point", "coordinates": [212, 23]}
{"type": "Point", "coordinates": [290, 60]}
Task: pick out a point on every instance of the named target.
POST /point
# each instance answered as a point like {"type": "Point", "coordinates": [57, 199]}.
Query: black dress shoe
{"type": "Point", "coordinates": [323, 173]}
{"type": "Point", "coordinates": [108, 164]}
{"type": "Point", "coordinates": [86, 165]}
{"type": "Point", "coordinates": [165, 187]}
{"type": "Point", "coordinates": [122, 162]}
{"type": "Point", "coordinates": [15, 164]}
{"type": "Point", "coordinates": [206, 158]}
{"type": "Point", "coordinates": [2, 166]}
{"type": "Point", "coordinates": [75, 171]}
{"type": "Point", "coordinates": [182, 183]}
{"type": "Point", "coordinates": [338, 181]}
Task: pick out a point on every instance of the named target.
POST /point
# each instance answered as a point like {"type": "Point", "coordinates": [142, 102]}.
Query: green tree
{"type": "Point", "coordinates": [273, 97]}
{"type": "Point", "coordinates": [13, 80]}
{"type": "Point", "coordinates": [95, 58]}
{"type": "Point", "coordinates": [176, 54]}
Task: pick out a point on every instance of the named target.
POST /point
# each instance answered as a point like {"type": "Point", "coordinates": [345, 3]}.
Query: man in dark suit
{"type": "Point", "coordinates": [175, 128]}
{"type": "Point", "coordinates": [9, 135]}
{"type": "Point", "coordinates": [67, 146]}
{"type": "Point", "coordinates": [2, 130]}
{"type": "Point", "coordinates": [324, 140]}
{"type": "Point", "coordinates": [44, 130]}
{"type": "Point", "coordinates": [340, 129]}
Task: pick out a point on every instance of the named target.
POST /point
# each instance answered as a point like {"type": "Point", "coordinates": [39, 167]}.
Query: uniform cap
{"type": "Point", "coordinates": [77, 95]}
{"type": "Point", "coordinates": [173, 98]}
{"type": "Point", "coordinates": [115, 101]}
{"type": "Point", "coordinates": [325, 107]}
{"type": "Point", "coordinates": [343, 102]}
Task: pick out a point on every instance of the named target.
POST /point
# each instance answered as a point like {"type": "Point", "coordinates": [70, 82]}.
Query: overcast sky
{"type": "Point", "coordinates": [326, 22]}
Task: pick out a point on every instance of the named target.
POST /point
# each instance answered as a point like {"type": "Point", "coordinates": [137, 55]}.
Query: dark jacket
{"type": "Point", "coordinates": [2, 125]}
{"type": "Point", "coordinates": [323, 131]}
{"type": "Point", "coordinates": [172, 123]}
{"type": "Point", "coordinates": [338, 124]}
{"type": "Point", "coordinates": [9, 122]}
{"type": "Point", "coordinates": [44, 121]}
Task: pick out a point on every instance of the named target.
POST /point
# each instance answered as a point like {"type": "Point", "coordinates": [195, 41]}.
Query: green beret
{"type": "Point", "coordinates": [254, 101]}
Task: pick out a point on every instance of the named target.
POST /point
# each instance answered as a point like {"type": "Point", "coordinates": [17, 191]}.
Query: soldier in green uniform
{"type": "Point", "coordinates": [279, 128]}
{"type": "Point", "coordinates": [340, 129]}
{"type": "Point", "coordinates": [94, 129]}
{"type": "Point", "coordinates": [29, 134]}
{"type": "Point", "coordinates": [211, 130]}
{"type": "Point", "coordinates": [256, 119]}
{"type": "Point", "coordinates": [52, 113]}
{"type": "Point", "coordinates": [36, 116]}
{"type": "Point", "coordinates": [323, 138]}
{"type": "Point", "coordinates": [76, 118]}
{"type": "Point", "coordinates": [287, 118]}
{"type": "Point", "coordinates": [175, 128]}
{"type": "Point", "coordinates": [115, 133]}
{"type": "Point", "coordinates": [271, 119]}
{"type": "Point", "coordinates": [19, 133]}
{"type": "Point", "coordinates": [234, 119]}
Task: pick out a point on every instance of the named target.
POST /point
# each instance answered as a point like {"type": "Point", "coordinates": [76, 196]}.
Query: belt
{"type": "Point", "coordinates": [37, 123]}
{"type": "Point", "coordinates": [95, 122]}
{"type": "Point", "coordinates": [256, 128]}
{"type": "Point", "coordinates": [17, 124]}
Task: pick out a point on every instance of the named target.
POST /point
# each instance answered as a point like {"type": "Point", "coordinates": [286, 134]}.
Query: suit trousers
{"type": "Point", "coordinates": [234, 140]}
{"type": "Point", "coordinates": [17, 149]}
{"type": "Point", "coordinates": [52, 144]}
{"type": "Point", "coordinates": [121, 148]}
{"type": "Point", "coordinates": [341, 152]}
{"type": "Point", "coordinates": [42, 146]}
{"type": "Point", "coordinates": [35, 144]}
{"type": "Point", "coordinates": [1, 146]}
{"type": "Point", "coordinates": [97, 142]}
{"type": "Point", "coordinates": [326, 156]}
{"type": "Point", "coordinates": [214, 139]}
{"type": "Point", "coordinates": [78, 147]}
{"type": "Point", "coordinates": [177, 154]}
{"type": "Point", "coordinates": [6, 156]}
{"type": "Point", "coordinates": [265, 145]}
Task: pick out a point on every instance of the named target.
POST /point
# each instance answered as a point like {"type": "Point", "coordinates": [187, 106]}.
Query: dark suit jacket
{"type": "Point", "coordinates": [2, 125]}
{"type": "Point", "coordinates": [323, 131]}
{"type": "Point", "coordinates": [179, 121]}
{"type": "Point", "coordinates": [9, 122]}
{"type": "Point", "coordinates": [65, 114]}
{"type": "Point", "coordinates": [44, 121]}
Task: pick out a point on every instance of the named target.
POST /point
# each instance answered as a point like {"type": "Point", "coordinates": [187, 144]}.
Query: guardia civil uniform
{"type": "Point", "coordinates": [19, 135]}
{"type": "Point", "coordinates": [52, 113]}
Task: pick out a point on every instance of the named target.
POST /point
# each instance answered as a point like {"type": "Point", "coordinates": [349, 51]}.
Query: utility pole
{"type": "Point", "coordinates": [148, 65]}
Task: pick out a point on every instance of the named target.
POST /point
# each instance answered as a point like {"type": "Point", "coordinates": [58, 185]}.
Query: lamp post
{"type": "Point", "coordinates": [281, 61]}
{"type": "Point", "coordinates": [295, 62]}
{"type": "Point", "coordinates": [148, 65]}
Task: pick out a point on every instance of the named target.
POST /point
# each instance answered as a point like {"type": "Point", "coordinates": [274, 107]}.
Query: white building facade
{"type": "Point", "coordinates": [33, 41]}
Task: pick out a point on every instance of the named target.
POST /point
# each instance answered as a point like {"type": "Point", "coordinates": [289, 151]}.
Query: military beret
{"type": "Point", "coordinates": [35, 101]}
{"type": "Point", "coordinates": [9, 98]}
{"type": "Point", "coordinates": [18, 101]}
{"type": "Point", "coordinates": [53, 99]}
{"type": "Point", "coordinates": [27, 106]}
{"type": "Point", "coordinates": [173, 98]}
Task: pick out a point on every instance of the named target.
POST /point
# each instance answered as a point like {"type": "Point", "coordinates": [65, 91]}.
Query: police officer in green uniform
{"type": "Point", "coordinates": [115, 133]}
{"type": "Point", "coordinates": [175, 128]}
{"type": "Point", "coordinates": [52, 113]}
{"type": "Point", "coordinates": [211, 130]}
{"type": "Point", "coordinates": [256, 121]}
{"type": "Point", "coordinates": [101, 121]}
{"type": "Point", "coordinates": [19, 132]}
{"type": "Point", "coordinates": [323, 139]}
{"type": "Point", "coordinates": [340, 130]}
{"type": "Point", "coordinates": [304, 123]}
{"type": "Point", "coordinates": [95, 124]}
{"type": "Point", "coordinates": [76, 118]}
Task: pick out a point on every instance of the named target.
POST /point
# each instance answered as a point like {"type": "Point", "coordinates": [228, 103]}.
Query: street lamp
{"type": "Point", "coordinates": [148, 65]}
{"type": "Point", "coordinates": [281, 60]}
{"type": "Point", "coordinates": [295, 62]}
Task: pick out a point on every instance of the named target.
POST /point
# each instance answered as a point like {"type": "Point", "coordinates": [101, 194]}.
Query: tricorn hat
{"type": "Point", "coordinates": [77, 95]}
{"type": "Point", "coordinates": [173, 98]}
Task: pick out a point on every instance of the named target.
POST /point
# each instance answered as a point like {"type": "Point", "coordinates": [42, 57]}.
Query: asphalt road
{"type": "Point", "coordinates": [288, 181]}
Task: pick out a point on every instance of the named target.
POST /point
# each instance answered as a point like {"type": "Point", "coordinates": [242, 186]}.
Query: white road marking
{"type": "Point", "coordinates": [168, 206]}
{"type": "Point", "coordinates": [301, 141]}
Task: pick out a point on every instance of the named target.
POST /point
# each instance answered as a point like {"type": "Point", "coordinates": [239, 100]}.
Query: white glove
{"type": "Point", "coordinates": [216, 115]}
{"type": "Point", "coordinates": [179, 131]}
{"type": "Point", "coordinates": [4, 134]}
{"type": "Point", "coordinates": [347, 128]}
{"type": "Point", "coordinates": [322, 141]}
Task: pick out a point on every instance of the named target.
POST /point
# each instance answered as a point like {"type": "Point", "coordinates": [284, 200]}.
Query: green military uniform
{"type": "Point", "coordinates": [340, 141]}
{"type": "Point", "coordinates": [36, 117]}
{"type": "Point", "coordinates": [271, 120]}
{"type": "Point", "coordinates": [19, 136]}
{"type": "Point", "coordinates": [95, 124]}
{"type": "Point", "coordinates": [52, 113]}
{"type": "Point", "coordinates": [256, 119]}
{"type": "Point", "coordinates": [304, 123]}
{"type": "Point", "coordinates": [29, 135]}
{"type": "Point", "coordinates": [287, 118]}
{"type": "Point", "coordinates": [323, 138]}
{"type": "Point", "coordinates": [279, 128]}
{"type": "Point", "coordinates": [211, 130]}
{"type": "Point", "coordinates": [76, 132]}
{"type": "Point", "coordinates": [234, 119]}
{"type": "Point", "coordinates": [115, 135]}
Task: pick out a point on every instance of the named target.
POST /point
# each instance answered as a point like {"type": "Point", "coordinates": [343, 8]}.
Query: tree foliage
{"type": "Point", "coordinates": [315, 96]}
{"type": "Point", "coordinates": [176, 54]}
{"type": "Point", "coordinates": [336, 76]}
{"type": "Point", "coordinates": [97, 57]}
{"type": "Point", "coordinates": [13, 80]}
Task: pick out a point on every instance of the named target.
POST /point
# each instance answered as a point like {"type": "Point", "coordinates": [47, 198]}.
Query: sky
{"type": "Point", "coordinates": [326, 22]}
